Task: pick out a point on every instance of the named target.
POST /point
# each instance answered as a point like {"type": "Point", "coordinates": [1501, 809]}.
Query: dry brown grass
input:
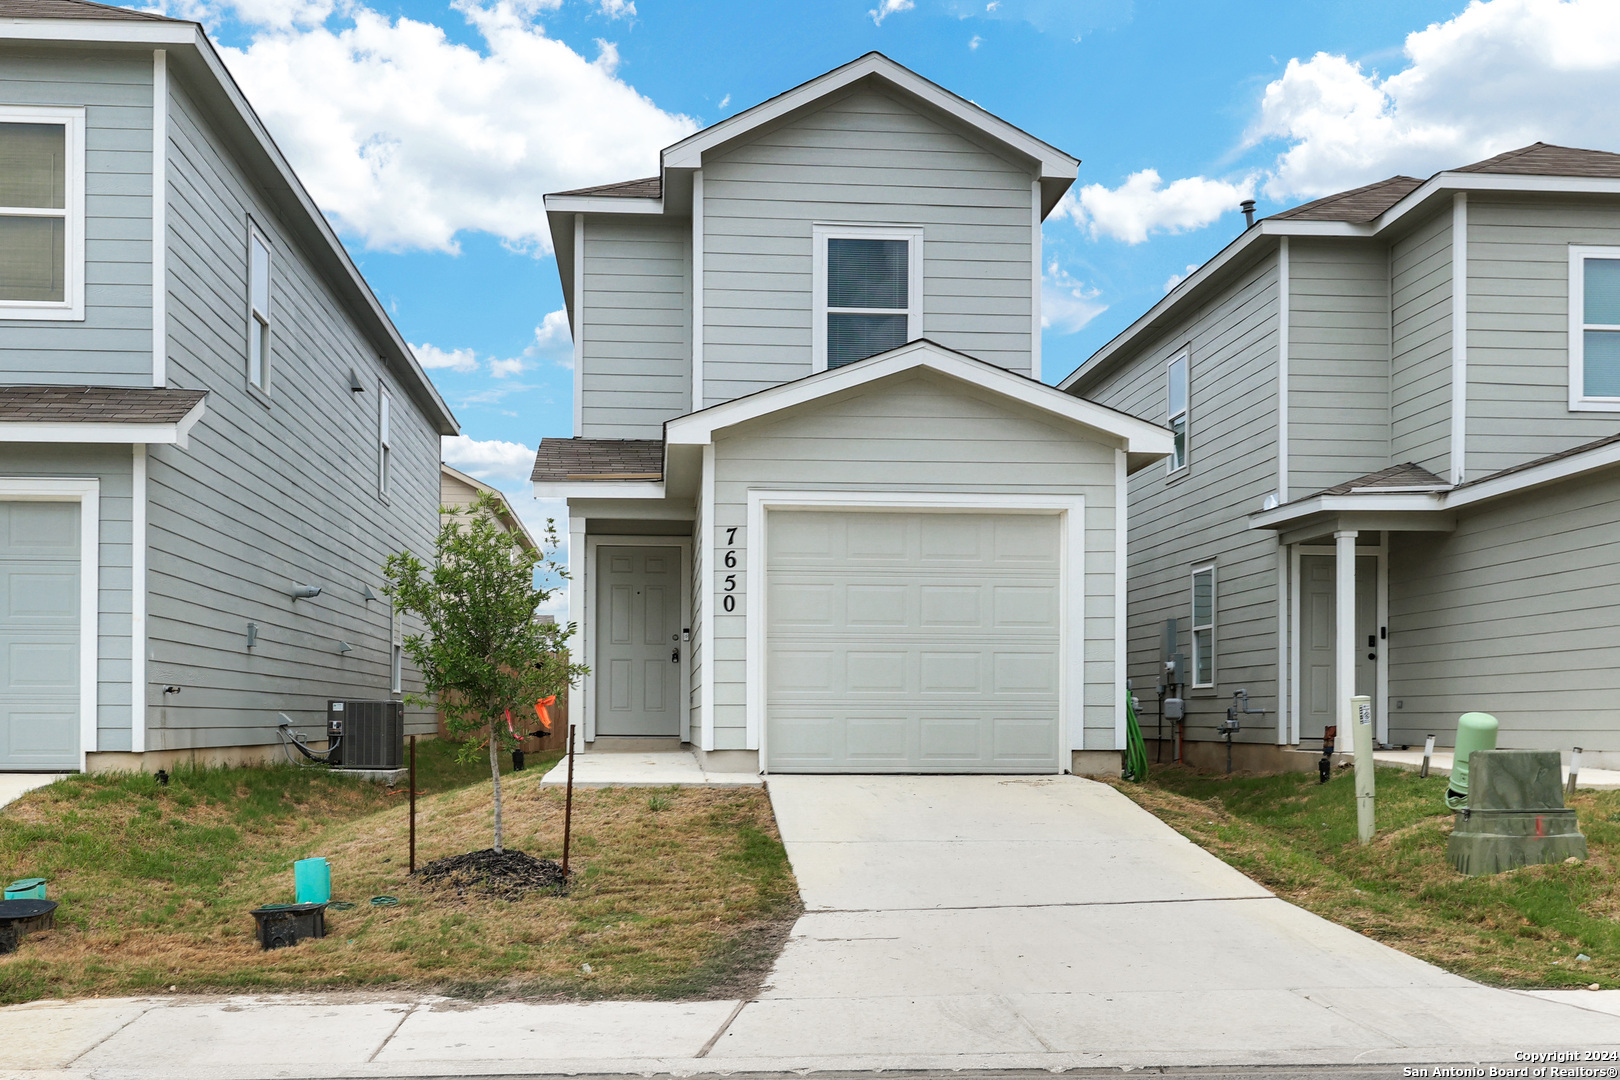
{"type": "Point", "coordinates": [680, 892]}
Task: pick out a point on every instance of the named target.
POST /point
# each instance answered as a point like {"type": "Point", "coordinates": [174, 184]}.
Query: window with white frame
{"type": "Point", "coordinates": [1176, 409]}
{"type": "Point", "coordinates": [385, 445]}
{"type": "Point", "coordinates": [868, 286]}
{"type": "Point", "coordinates": [1594, 328]}
{"type": "Point", "coordinates": [258, 310]}
{"type": "Point", "coordinates": [396, 678]}
{"type": "Point", "coordinates": [1203, 626]}
{"type": "Point", "coordinates": [41, 212]}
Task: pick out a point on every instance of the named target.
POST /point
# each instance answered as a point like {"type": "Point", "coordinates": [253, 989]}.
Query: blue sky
{"type": "Point", "coordinates": [429, 131]}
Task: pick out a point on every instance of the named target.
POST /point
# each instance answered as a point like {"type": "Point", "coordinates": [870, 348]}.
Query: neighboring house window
{"type": "Point", "coordinates": [1176, 413]}
{"type": "Point", "coordinates": [1594, 328]}
{"type": "Point", "coordinates": [385, 449]}
{"type": "Point", "coordinates": [258, 310]}
{"type": "Point", "coordinates": [397, 657]}
{"type": "Point", "coordinates": [1203, 626]}
{"type": "Point", "coordinates": [41, 212]}
{"type": "Point", "coordinates": [868, 286]}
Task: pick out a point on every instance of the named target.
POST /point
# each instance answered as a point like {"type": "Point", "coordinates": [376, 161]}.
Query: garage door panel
{"type": "Point", "coordinates": [42, 598]}
{"type": "Point", "coordinates": [40, 528]}
{"type": "Point", "coordinates": [940, 635]}
{"type": "Point", "coordinates": [39, 635]}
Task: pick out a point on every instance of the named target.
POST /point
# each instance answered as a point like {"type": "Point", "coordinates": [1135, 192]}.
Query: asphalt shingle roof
{"type": "Point", "coordinates": [599, 459]}
{"type": "Point", "coordinates": [650, 187]}
{"type": "Point", "coordinates": [96, 404]}
{"type": "Point", "coordinates": [1358, 205]}
{"type": "Point", "coordinates": [74, 9]}
{"type": "Point", "coordinates": [1406, 475]}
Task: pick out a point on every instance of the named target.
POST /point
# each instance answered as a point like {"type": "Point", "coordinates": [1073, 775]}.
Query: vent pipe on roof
{"type": "Point", "coordinates": [1247, 206]}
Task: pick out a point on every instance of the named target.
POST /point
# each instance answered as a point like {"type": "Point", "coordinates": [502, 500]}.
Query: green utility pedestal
{"type": "Point", "coordinates": [1515, 814]}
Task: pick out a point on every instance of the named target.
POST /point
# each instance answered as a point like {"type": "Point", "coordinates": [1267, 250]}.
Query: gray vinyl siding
{"type": "Point", "coordinates": [113, 467]}
{"type": "Point", "coordinates": [1200, 514]}
{"type": "Point", "coordinates": [864, 158]}
{"type": "Point", "coordinates": [270, 494]}
{"type": "Point", "coordinates": [112, 345]}
{"type": "Point", "coordinates": [1512, 614]}
{"type": "Point", "coordinates": [1420, 363]}
{"type": "Point", "coordinates": [1518, 326]}
{"type": "Point", "coordinates": [1338, 362]}
{"type": "Point", "coordinates": [915, 433]}
{"type": "Point", "coordinates": [637, 349]}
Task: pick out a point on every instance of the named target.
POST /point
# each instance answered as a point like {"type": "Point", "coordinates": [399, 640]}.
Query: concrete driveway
{"type": "Point", "coordinates": [975, 921]}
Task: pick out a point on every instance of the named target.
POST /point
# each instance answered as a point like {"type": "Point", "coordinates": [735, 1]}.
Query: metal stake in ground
{"type": "Point", "coordinates": [568, 802]}
{"type": "Point", "coordinates": [413, 804]}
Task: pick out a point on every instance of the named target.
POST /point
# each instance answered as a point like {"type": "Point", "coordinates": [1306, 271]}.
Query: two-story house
{"type": "Point", "coordinates": [205, 415]}
{"type": "Point", "coordinates": [1395, 412]}
{"type": "Point", "coordinates": [823, 514]}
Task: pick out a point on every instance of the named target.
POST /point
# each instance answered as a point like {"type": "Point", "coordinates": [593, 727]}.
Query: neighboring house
{"type": "Point", "coordinates": [203, 410]}
{"type": "Point", "coordinates": [823, 514]}
{"type": "Point", "coordinates": [1397, 412]}
{"type": "Point", "coordinates": [457, 494]}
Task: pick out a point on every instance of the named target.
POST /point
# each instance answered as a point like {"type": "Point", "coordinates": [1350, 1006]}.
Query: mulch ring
{"type": "Point", "coordinates": [508, 874]}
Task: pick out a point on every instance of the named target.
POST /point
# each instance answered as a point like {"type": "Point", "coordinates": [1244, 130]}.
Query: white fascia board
{"type": "Point", "coordinates": [1284, 516]}
{"type": "Point", "coordinates": [100, 32]}
{"type": "Point", "coordinates": [176, 433]}
{"type": "Point", "coordinates": [688, 153]}
{"type": "Point", "coordinates": [1550, 472]}
{"type": "Point", "coordinates": [599, 489]}
{"type": "Point", "coordinates": [1139, 436]}
{"type": "Point", "coordinates": [602, 204]}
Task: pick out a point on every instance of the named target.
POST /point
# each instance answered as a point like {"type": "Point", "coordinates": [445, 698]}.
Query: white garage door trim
{"type": "Point", "coordinates": [87, 493]}
{"type": "Point", "coordinates": [1070, 508]}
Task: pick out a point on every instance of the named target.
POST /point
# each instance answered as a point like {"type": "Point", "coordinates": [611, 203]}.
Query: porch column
{"type": "Point", "coordinates": [1344, 633]}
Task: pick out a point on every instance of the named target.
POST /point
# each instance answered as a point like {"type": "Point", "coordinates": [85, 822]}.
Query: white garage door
{"type": "Point", "coordinates": [912, 642]}
{"type": "Point", "coordinates": [39, 635]}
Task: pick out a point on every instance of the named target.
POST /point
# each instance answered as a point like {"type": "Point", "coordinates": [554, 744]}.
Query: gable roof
{"type": "Point", "coordinates": [192, 54]}
{"type": "Point", "coordinates": [1358, 204]}
{"type": "Point", "coordinates": [504, 511]}
{"type": "Point", "coordinates": [651, 187]}
{"type": "Point", "coordinates": [1545, 159]}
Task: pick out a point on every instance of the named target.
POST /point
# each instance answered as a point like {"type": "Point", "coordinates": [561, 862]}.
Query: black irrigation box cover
{"type": "Point", "coordinates": [19, 918]}
{"type": "Point", "coordinates": [288, 924]}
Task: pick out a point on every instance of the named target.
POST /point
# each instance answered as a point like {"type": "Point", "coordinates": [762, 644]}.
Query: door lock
{"type": "Point", "coordinates": [675, 656]}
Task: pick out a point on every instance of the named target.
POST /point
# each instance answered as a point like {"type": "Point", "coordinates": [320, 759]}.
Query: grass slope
{"type": "Point", "coordinates": [1523, 928]}
{"type": "Point", "coordinates": [679, 892]}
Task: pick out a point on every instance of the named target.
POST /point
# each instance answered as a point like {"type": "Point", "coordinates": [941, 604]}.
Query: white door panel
{"type": "Point", "coordinates": [638, 641]}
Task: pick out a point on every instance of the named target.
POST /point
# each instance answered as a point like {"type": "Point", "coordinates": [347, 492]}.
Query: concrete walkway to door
{"type": "Point", "coordinates": [1049, 922]}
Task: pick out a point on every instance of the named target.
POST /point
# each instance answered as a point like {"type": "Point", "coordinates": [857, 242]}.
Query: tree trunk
{"type": "Point", "coordinates": [495, 774]}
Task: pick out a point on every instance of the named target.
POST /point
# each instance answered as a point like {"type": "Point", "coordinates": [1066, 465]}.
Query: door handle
{"type": "Point", "coordinates": [675, 656]}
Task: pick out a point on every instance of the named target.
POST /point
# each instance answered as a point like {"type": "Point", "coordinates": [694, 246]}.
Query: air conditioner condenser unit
{"type": "Point", "coordinates": [365, 734]}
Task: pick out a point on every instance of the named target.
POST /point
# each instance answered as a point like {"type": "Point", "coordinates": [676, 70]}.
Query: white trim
{"type": "Point", "coordinates": [602, 204]}
{"type": "Point", "coordinates": [1459, 337]}
{"type": "Point", "coordinates": [579, 326]}
{"type": "Point", "coordinates": [119, 31]}
{"type": "Point", "coordinates": [594, 541]}
{"type": "Point", "coordinates": [87, 493]}
{"type": "Point", "coordinates": [177, 433]}
{"type": "Point", "coordinates": [1121, 599]}
{"type": "Point", "coordinates": [1213, 626]}
{"type": "Point", "coordinates": [698, 394]}
{"type": "Point", "coordinates": [1578, 400]}
{"type": "Point", "coordinates": [697, 429]}
{"type": "Point", "coordinates": [1344, 632]}
{"type": "Point", "coordinates": [71, 307]}
{"type": "Point", "coordinates": [706, 549]}
{"type": "Point", "coordinates": [1184, 356]}
{"type": "Point", "coordinates": [1072, 637]}
{"type": "Point", "coordinates": [1035, 279]}
{"type": "Point", "coordinates": [160, 217]}
{"type": "Point", "coordinates": [1283, 301]}
{"type": "Point", "coordinates": [688, 153]}
{"type": "Point", "coordinates": [820, 234]}
{"type": "Point", "coordinates": [1285, 708]}
{"type": "Point", "coordinates": [598, 489]}
{"type": "Point", "coordinates": [137, 604]}
{"type": "Point", "coordinates": [1294, 553]}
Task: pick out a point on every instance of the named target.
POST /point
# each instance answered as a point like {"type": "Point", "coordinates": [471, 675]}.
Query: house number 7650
{"type": "Point", "coordinates": [728, 602]}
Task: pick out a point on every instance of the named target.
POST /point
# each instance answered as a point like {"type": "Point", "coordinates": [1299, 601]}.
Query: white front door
{"type": "Point", "coordinates": [1317, 606]}
{"type": "Point", "coordinates": [912, 642]}
{"type": "Point", "coordinates": [638, 641]}
{"type": "Point", "coordinates": [39, 635]}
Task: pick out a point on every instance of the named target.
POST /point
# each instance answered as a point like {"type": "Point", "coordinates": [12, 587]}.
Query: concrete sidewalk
{"type": "Point", "coordinates": [654, 768]}
{"type": "Point", "coordinates": [14, 785]}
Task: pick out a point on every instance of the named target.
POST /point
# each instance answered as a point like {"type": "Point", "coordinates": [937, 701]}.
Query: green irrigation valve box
{"type": "Point", "coordinates": [1515, 814]}
{"type": "Point", "coordinates": [28, 888]}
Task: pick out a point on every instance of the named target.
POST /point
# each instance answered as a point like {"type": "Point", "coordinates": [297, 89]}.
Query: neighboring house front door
{"type": "Point", "coordinates": [39, 635]}
{"type": "Point", "coordinates": [1317, 615]}
{"type": "Point", "coordinates": [638, 641]}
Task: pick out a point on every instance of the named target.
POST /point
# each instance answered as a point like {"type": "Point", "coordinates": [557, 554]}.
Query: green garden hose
{"type": "Point", "coordinates": [1136, 765]}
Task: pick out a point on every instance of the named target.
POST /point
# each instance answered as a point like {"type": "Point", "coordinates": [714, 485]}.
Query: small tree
{"type": "Point", "coordinates": [484, 656]}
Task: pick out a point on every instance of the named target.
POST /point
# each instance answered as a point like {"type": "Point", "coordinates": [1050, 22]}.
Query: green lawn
{"type": "Point", "coordinates": [677, 892]}
{"type": "Point", "coordinates": [1523, 928]}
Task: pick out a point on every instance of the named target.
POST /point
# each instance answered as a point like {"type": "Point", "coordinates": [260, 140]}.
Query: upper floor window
{"type": "Point", "coordinates": [868, 288]}
{"type": "Point", "coordinates": [1203, 626]}
{"type": "Point", "coordinates": [41, 212]}
{"type": "Point", "coordinates": [385, 447]}
{"type": "Point", "coordinates": [1594, 328]}
{"type": "Point", "coordinates": [1176, 408]}
{"type": "Point", "coordinates": [258, 310]}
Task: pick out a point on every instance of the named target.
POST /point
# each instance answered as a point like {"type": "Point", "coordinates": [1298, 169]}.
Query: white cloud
{"type": "Point", "coordinates": [1067, 305]}
{"type": "Point", "coordinates": [617, 9]}
{"type": "Point", "coordinates": [406, 138]}
{"type": "Point", "coordinates": [889, 7]}
{"type": "Point", "coordinates": [434, 358]}
{"type": "Point", "coordinates": [1500, 75]}
{"type": "Point", "coordinates": [505, 369]}
{"type": "Point", "coordinates": [1143, 205]}
{"type": "Point", "coordinates": [491, 460]}
{"type": "Point", "coordinates": [724, 102]}
{"type": "Point", "coordinates": [1177, 279]}
{"type": "Point", "coordinates": [975, 43]}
